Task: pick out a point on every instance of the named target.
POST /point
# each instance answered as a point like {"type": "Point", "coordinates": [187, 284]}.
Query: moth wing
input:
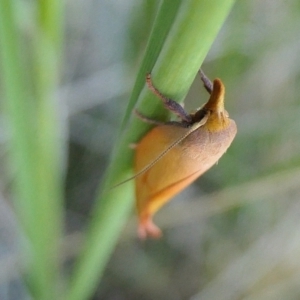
{"type": "Point", "coordinates": [170, 174]}
{"type": "Point", "coordinates": [179, 167]}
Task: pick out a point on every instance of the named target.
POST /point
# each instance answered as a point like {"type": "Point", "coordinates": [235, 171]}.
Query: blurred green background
{"type": "Point", "coordinates": [234, 234]}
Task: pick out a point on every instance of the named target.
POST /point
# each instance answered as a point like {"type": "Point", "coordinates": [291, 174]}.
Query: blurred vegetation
{"type": "Point", "coordinates": [231, 235]}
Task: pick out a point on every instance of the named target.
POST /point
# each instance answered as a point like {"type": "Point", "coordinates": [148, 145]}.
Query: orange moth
{"type": "Point", "coordinates": [174, 154]}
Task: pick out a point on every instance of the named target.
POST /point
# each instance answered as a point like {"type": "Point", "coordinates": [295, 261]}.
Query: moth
{"type": "Point", "coordinates": [174, 154]}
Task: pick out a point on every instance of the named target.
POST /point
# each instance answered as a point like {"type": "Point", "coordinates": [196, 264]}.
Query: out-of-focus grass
{"type": "Point", "coordinates": [33, 121]}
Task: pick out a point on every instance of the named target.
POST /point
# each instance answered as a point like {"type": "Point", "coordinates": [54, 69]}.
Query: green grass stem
{"type": "Point", "coordinates": [181, 37]}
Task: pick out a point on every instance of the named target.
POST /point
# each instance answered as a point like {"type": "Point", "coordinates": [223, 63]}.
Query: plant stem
{"type": "Point", "coordinates": [182, 35]}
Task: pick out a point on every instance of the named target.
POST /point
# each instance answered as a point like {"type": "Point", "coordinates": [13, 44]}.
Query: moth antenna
{"type": "Point", "coordinates": [150, 165]}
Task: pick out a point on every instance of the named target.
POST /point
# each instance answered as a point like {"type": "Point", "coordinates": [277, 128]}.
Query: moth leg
{"type": "Point", "coordinates": [132, 146]}
{"type": "Point", "coordinates": [147, 119]}
{"type": "Point", "coordinates": [148, 229]}
{"type": "Point", "coordinates": [207, 83]}
{"type": "Point", "coordinates": [169, 104]}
